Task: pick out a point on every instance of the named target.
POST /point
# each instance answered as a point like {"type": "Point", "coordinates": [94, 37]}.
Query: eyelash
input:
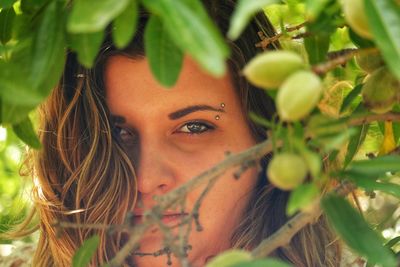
{"type": "Point", "coordinates": [205, 127]}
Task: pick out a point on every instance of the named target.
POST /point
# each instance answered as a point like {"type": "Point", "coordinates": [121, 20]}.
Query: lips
{"type": "Point", "coordinates": [167, 218]}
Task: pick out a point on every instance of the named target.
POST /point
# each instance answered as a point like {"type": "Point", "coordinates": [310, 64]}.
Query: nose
{"type": "Point", "coordinates": [155, 169]}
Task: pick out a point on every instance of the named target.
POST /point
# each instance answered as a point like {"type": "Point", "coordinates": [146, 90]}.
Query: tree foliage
{"type": "Point", "coordinates": [336, 87]}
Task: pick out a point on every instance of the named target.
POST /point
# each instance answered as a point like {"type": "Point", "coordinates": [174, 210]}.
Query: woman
{"type": "Point", "coordinates": [113, 138]}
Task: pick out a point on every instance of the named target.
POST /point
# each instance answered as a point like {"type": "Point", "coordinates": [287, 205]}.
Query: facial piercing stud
{"type": "Point", "coordinates": [217, 117]}
{"type": "Point", "coordinates": [222, 105]}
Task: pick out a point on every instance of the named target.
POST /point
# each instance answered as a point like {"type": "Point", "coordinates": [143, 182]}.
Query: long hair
{"type": "Point", "coordinates": [72, 173]}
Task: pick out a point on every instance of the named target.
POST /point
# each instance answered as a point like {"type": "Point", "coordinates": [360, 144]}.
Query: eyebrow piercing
{"type": "Point", "coordinates": [222, 105]}
{"type": "Point", "coordinates": [217, 117]}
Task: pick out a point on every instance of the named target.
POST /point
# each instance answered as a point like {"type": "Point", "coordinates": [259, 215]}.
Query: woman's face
{"type": "Point", "coordinates": [174, 134]}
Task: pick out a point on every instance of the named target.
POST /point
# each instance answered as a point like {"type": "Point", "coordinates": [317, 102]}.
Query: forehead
{"type": "Point", "coordinates": [130, 84]}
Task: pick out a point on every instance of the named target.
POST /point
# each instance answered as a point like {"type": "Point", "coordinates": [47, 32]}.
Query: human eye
{"type": "Point", "coordinates": [195, 127]}
{"type": "Point", "coordinates": [124, 135]}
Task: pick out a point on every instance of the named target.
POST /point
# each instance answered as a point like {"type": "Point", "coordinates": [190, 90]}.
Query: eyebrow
{"type": "Point", "coordinates": [190, 109]}
{"type": "Point", "coordinates": [118, 119]}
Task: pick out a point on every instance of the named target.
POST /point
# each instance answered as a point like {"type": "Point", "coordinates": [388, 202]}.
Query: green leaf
{"type": "Point", "coordinates": [376, 167]}
{"type": "Point", "coordinates": [230, 258]}
{"type": "Point", "coordinates": [192, 32]}
{"type": "Point", "coordinates": [6, 3]}
{"type": "Point", "coordinates": [314, 8]}
{"type": "Point", "coordinates": [351, 97]}
{"type": "Point", "coordinates": [360, 41]}
{"type": "Point", "coordinates": [301, 197]}
{"type": "Point", "coordinates": [317, 46]}
{"type": "Point", "coordinates": [7, 17]}
{"type": "Point", "coordinates": [245, 9]}
{"type": "Point", "coordinates": [263, 263]}
{"type": "Point", "coordinates": [164, 57]}
{"type": "Point", "coordinates": [124, 26]}
{"type": "Point", "coordinates": [355, 143]}
{"type": "Point", "coordinates": [370, 184]}
{"type": "Point", "coordinates": [396, 132]}
{"type": "Point", "coordinates": [86, 45]}
{"type": "Point", "coordinates": [84, 254]}
{"type": "Point", "coordinates": [13, 113]}
{"type": "Point", "coordinates": [15, 88]}
{"type": "Point", "coordinates": [384, 21]}
{"type": "Point", "coordinates": [32, 6]}
{"type": "Point", "coordinates": [24, 130]}
{"type": "Point", "coordinates": [92, 16]}
{"type": "Point", "coordinates": [355, 231]}
{"type": "Point", "coordinates": [48, 55]}
{"type": "Point", "coordinates": [393, 242]}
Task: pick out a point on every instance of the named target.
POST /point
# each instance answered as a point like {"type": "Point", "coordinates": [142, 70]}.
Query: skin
{"type": "Point", "coordinates": [167, 151]}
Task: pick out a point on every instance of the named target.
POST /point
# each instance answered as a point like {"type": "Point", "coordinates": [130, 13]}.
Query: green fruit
{"type": "Point", "coordinates": [287, 171]}
{"type": "Point", "coordinates": [380, 91]}
{"type": "Point", "coordinates": [354, 13]}
{"type": "Point", "coordinates": [298, 95]}
{"type": "Point", "coordinates": [269, 69]}
{"type": "Point", "coordinates": [230, 258]}
{"type": "Point", "coordinates": [370, 62]}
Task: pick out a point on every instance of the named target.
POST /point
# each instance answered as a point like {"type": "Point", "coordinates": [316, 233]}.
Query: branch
{"type": "Point", "coordinates": [267, 41]}
{"type": "Point", "coordinates": [168, 200]}
{"type": "Point", "coordinates": [341, 59]}
{"type": "Point", "coordinates": [283, 236]}
{"type": "Point", "coordinates": [359, 120]}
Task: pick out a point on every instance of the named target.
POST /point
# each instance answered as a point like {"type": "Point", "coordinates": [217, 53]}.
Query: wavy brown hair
{"type": "Point", "coordinates": [82, 174]}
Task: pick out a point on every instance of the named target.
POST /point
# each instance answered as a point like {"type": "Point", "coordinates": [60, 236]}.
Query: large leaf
{"type": "Point", "coordinates": [192, 32]}
{"type": "Point", "coordinates": [84, 254]}
{"type": "Point", "coordinates": [86, 45]}
{"type": "Point", "coordinates": [355, 143]}
{"type": "Point", "coordinates": [24, 130]}
{"type": "Point", "coordinates": [376, 167]}
{"type": "Point", "coordinates": [349, 99]}
{"type": "Point", "coordinates": [372, 184]}
{"type": "Point", "coordinates": [314, 8]}
{"type": "Point", "coordinates": [301, 197]}
{"type": "Point", "coordinates": [230, 258]}
{"type": "Point", "coordinates": [317, 46]}
{"type": "Point", "coordinates": [355, 231]}
{"type": "Point", "coordinates": [164, 57]}
{"type": "Point", "coordinates": [90, 16]}
{"type": "Point", "coordinates": [15, 87]}
{"type": "Point", "coordinates": [384, 21]}
{"type": "Point", "coordinates": [32, 6]}
{"type": "Point", "coordinates": [48, 55]}
{"type": "Point", "coordinates": [6, 3]}
{"type": "Point", "coordinates": [12, 113]}
{"type": "Point", "coordinates": [7, 17]}
{"type": "Point", "coordinates": [245, 9]}
{"type": "Point", "coordinates": [124, 26]}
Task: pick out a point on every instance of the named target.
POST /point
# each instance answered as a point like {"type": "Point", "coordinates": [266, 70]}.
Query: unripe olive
{"type": "Point", "coordinates": [298, 95]}
{"type": "Point", "coordinates": [354, 13]}
{"type": "Point", "coordinates": [230, 258]}
{"type": "Point", "coordinates": [380, 91]}
{"type": "Point", "coordinates": [370, 62]}
{"type": "Point", "coordinates": [269, 69]}
{"type": "Point", "coordinates": [287, 171]}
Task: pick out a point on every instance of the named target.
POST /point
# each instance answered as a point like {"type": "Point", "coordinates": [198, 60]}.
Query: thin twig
{"type": "Point", "coordinates": [168, 200]}
{"type": "Point", "coordinates": [267, 41]}
{"type": "Point", "coordinates": [342, 59]}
